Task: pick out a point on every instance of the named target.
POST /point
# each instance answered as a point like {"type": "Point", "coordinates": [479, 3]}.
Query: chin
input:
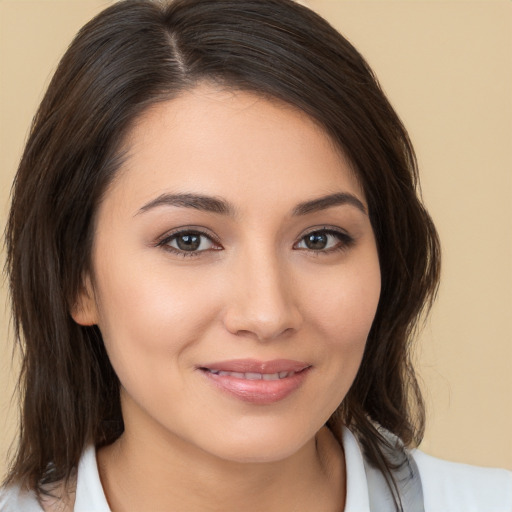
{"type": "Point", "coordinates": [263, 444]}
{"type": "Point", "coordinates": [244, 454]}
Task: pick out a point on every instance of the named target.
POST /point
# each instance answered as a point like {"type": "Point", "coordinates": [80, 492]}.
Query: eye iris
{"type": "Point", "coordinates": [316, 241]}
{"type": "Point", "coordinates": [188, 242]}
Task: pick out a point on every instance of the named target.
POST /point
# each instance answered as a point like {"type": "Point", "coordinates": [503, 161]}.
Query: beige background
{"type": "Point", "coordinates": [446, 67]}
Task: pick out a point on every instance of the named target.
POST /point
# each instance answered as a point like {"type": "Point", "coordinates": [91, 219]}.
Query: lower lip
{"type": "Point", "coordinates": [261, 392]}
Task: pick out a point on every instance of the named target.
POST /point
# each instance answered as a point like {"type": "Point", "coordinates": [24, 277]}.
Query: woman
{"type": "Point", "coordinates": [217, 259]}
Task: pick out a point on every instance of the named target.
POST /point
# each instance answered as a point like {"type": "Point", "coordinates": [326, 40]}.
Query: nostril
{"type": "Point", "coordinates": [260, 316]}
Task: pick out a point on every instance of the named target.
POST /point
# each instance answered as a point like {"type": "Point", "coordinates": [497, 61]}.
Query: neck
{"type": "Point", "coordinates": [157, 474]}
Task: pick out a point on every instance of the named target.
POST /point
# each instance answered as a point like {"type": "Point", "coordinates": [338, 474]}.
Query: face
{"type": "Point", "coordinates": [235, 277]}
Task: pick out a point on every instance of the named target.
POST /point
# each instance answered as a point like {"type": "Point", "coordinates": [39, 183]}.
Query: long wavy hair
{"type": "Point", "coordinates": [135, 54]}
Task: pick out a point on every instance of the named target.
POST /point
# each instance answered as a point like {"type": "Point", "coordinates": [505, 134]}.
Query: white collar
{"type": "Point", "coordinates": [89, 491]}
{"type": "Point", "coordinates": [90, 495]}
{"type": "Point", "coordinates": [357, 499]}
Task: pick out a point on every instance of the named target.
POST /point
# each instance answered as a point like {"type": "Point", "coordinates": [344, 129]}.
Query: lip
{"type": "Point", "coordinates": [253, 365]}
{"type": "Point", "coordinates": [257, 390]}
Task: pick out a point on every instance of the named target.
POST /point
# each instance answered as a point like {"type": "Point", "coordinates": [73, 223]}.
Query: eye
{"type": "Point", "coordinates": [188, 243]}
{"type": "Point", "coordinates": [324, 240]}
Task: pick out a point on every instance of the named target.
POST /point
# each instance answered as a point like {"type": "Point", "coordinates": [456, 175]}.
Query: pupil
{"type": "Point", "coordinates": [188, 242]}
{"type": "Point", "coordinates": [316, 241]}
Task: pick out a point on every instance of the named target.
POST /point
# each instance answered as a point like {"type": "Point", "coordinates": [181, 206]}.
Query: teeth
{"type": "Point", "coordinates": [253, 375]}
{"type": "Point", "coordinates": [232, 374]}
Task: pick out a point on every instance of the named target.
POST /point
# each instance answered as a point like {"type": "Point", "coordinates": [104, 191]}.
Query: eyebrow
{"type": "Point", "coordinates": [223, 207]}
{"type": "Point", "coordinates": [322, 203]}
{"type": "Point", "coordinates": [196, 201]}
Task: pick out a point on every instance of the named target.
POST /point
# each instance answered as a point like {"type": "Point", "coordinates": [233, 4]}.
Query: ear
{"type": "Point", "coordinates": [84, 311]}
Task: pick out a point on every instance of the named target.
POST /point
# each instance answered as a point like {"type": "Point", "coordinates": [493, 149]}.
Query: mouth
{"type": "Point", "coordinates": [257, 382]}
{"type": "Point", "coordinates": [251, 375]}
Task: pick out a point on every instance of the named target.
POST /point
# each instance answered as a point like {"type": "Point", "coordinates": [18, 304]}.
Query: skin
{"type": "Point", "coordinates": [254, 289]}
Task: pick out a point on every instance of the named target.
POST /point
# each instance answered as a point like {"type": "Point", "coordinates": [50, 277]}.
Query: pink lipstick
{"type": "Point", "coordinates": [257, 382]}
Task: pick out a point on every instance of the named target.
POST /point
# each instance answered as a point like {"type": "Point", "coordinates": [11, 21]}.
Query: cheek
{"type": "Point", "coordinates": [343, 315]}
{"type": "Point", "coordinates": [345, 308]}
{"type": "Point", "coordinates": [147, 314]}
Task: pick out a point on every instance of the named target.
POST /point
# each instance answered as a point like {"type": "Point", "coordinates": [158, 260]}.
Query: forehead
{"type": "Point", "coordinates": [229, 143]}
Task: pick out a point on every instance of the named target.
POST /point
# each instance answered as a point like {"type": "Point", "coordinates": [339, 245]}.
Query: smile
{"type": "Point", "coordinates": [253, 375]}
{"type": "Point", "coordinates": [256, 382]}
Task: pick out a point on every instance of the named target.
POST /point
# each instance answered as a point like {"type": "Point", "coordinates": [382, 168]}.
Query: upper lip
{"type": "Point", "coordinates": [255, 366]}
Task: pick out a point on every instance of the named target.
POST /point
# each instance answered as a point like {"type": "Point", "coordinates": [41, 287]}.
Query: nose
{"type": "Point", "coordinates": [263, 301]}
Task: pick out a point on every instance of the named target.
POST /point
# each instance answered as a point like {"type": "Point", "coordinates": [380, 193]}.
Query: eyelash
{"type": "Point", "coordinates": [164, 243]}
{"type": "Point", "coordinates": [345, 242]}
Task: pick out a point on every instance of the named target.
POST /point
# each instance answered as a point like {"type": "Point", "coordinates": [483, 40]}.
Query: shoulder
{"type": "Point", "coordinates": [461, 487]}
{"type": "Point", "coordinates": [15, 499]}
{"type": "Point", "coordinates": [82, 493]}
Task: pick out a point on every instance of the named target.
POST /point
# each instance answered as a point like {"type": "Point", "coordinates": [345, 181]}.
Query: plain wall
{"type": "Point", "coordinates": [446, 67]}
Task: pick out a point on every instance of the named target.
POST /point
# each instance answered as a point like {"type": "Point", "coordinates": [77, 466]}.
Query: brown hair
{"type": "Point", "coordinates": [132, 55]}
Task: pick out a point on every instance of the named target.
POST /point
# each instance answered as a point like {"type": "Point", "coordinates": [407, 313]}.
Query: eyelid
{"type": "Point", "coordinates": [346, 240]}
{"type": "Point", "coordinates": [324, 228]}
{"type": "Point", "coordinates": [164, 240]}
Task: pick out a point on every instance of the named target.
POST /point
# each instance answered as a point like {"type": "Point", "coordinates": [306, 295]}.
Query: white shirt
{"type": "Point", "coordinates": [447, 486]}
